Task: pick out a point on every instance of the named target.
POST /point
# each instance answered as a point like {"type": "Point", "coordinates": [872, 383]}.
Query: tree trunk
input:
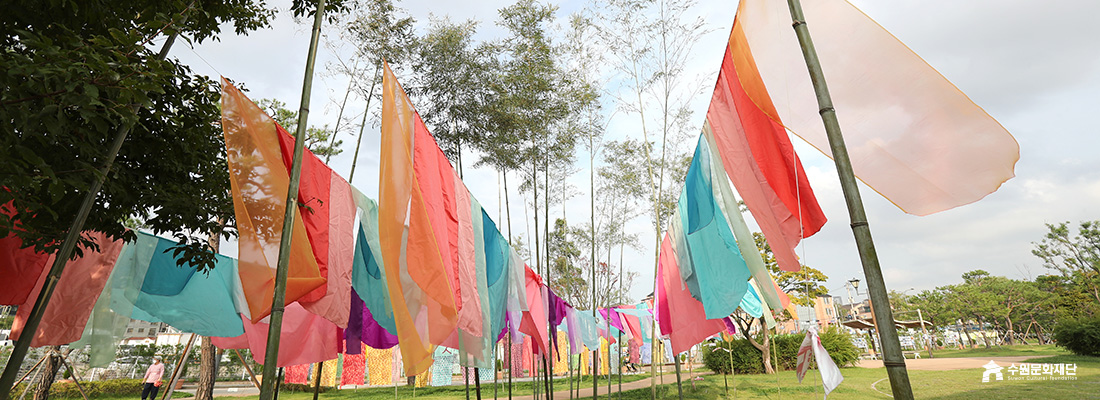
{"type": "Point", "coordinates": [966, 330]}
{"type": "Point", "coordinates": [49, 372]}
{"type": "Point", "coordinates": [764, 347]}
{"type": "Point", "coordinates": [207, 370]}
{"type": "Point", "coordinates": [1010, 331]}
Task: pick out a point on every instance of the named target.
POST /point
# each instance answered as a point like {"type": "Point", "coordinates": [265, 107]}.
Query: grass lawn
{"type": "Point", "coordinates": [858, 382]}
{"type": "Point", "coordinates": [959, 384]}
{"type": "Point", "coordinates": [1001, 351]}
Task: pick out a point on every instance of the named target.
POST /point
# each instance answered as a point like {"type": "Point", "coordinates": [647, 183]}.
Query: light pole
{"type": "Point", "coordinates": [854, 284]}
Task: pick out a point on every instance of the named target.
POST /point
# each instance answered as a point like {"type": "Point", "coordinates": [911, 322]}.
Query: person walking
{"type": "Point", "coordinates": [152, 380]}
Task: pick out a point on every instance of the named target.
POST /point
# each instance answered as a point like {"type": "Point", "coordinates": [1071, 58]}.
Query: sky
{"type": "Point", "coordinates": [1034, 66]}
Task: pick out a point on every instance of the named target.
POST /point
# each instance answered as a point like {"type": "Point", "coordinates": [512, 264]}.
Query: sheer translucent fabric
{"type": "Point", "coordinates": [368, 275]}
{"type": "Point", "coordinates": [106, 325]}
{"type": "Point", "coordinates": [328, 213]}
{"type": "Point", "coordinates": [436, 179]}
{"type": "Point", "coordinates": [304, 338]}
{"type": "Point", "coordinates": [419, 287]}
{"type": "Point", "coordinates": [201, 303]}
{"type": "Point", "coordinates": [534, 319]}
{"type": "Point", "coordinates": [911, 134]}
{"type": "Point", "coordinates": [727, 202]}
{"type": "Point", "coordinates": [715, 262]}
{"type": "Point", "coordinates": [687, 323]}
{"type": "Point", "coordinates": [260, 183]}
{"type": "Point", "coordinates": [75, 295]}
{"type": "Point", "coordinates": [471, 285]}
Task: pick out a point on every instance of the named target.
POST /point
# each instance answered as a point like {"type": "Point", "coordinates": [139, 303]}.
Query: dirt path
{"type": "Point", "coordinates": [947, 364]}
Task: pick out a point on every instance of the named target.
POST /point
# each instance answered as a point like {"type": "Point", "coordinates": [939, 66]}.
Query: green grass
{"type": "Point", "coordinates": [958, 384]}
{"type": "Point", "coordinates": [1001, 351]}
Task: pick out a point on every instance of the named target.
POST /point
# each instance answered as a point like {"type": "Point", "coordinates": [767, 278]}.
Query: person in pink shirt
{"type": "Point", "coordinates": [152, 379]}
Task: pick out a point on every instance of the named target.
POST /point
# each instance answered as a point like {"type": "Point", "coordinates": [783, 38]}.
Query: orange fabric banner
{"type": "Point", "coordinates": [419, 286]}
{"type": "Point", "coordinates": [260, 183]}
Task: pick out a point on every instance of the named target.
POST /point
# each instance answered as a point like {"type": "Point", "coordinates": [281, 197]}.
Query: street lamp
{"type": "Point", "coordinates": [851, 303]}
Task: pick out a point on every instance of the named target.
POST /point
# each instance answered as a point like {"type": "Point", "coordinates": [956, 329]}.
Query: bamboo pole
{"type": "Point", "coordinates": [19, 351]}
{"type": "Point", "coordinates": [892, 356]}
{"type": "Point", "coordinates": [271, 356]}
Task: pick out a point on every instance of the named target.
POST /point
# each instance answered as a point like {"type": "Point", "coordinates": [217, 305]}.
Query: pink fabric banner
{"type": "Point", "coordinates": [74, 297]}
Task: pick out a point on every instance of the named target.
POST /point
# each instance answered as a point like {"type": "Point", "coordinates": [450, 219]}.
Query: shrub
{"type": "Point", "coordinates": [298, 387]}
{"type": "Point", "coordinates": [1082, 336]}
{"type": "Point", "coordinates": [748, 360]}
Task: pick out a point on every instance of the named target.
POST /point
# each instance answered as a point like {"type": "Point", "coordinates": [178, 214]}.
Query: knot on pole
{"type": "Point", "coordinates": [890, 363]}
{"type": "Point", "coordinates": [798, 22]}
{"type": "Point", "coordinates": [824, 110]}
{"type": "Point", "coordinates": [859, 224]}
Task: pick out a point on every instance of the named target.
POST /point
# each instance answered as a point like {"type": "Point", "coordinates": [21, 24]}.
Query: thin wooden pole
{"type": "Point", "coordinates": [679, 385]}
{"type": "Point", "coordinates": [477, 382]}
{"type": "Point", "coordinates": [278, 384]}
{"type": "Point", "coordinates": [178, 372]}
{"type": "Point", "coordinates": [76, 378]}
{"type": "Point", "coordinates": [271, 356]}
{"type": "Point", "coordinates": [317, 380]}
{"type": "Point", "coordinates": [19, 351]}
{"type": "Point", "coordinates": [251, 375]}
{"type": "Point", "coordinates": [892, 356]}
{"type": "Point", "coordinates": [40, 360]}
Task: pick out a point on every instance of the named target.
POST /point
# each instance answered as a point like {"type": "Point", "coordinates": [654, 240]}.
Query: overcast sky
{"type": "Point", "coordinates": [1034, 66]}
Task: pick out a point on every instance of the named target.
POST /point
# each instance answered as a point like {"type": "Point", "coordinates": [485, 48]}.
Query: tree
{"type": "Point", "coordinates": [75, 76]}
{"type": "Point", "coordinates": [381, 35]}
{"type": "Point", "coordinates": [803, 286]}
{"type": "Point", "coordinates": [1076, 258]}
{"type": "Point", "coordinates": [568, 279]}
{"type": "Point", "coordinates": [449, 82]}
{"type": "Point", "coordinates": [317, 139]}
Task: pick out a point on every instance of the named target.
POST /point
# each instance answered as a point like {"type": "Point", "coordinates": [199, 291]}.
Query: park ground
{"type": "Point", "coordinates": [953, 374]}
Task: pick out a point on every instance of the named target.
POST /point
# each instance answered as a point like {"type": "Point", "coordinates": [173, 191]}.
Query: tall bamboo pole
{"type": "Point", "coordinates": [271, 356]}
{"type": "Point", "coordinates": [891, 348]}
{"type": "Point", "coordinates": [19, 352]}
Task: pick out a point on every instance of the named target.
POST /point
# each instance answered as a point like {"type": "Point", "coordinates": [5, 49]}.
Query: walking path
{"type": "Point", "coordinates": [947, 364]}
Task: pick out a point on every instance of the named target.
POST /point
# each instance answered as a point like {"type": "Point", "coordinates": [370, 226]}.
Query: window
{"type": "Point", "coordinates": [129, 330]}
{"type": "Point", "coordinates": [140, 330]}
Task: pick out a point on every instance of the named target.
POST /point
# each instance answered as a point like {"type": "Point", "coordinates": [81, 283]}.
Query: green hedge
{"type": "Point", "coordinates": [748, 360]}
{"type": "Point", "coordinates": [1082, 337]}
{"type": "Point", "coordinates": [94, 389]}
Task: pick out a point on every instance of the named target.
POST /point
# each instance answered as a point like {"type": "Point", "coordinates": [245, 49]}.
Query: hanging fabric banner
{"type": "Point", "coordinates": [75, 295]}
{"type": "Point", "coordinates": [260, 183]}
{"type": "Point", "coordinates": [912, 135]}
{"type": "Point", "coordinates": [416, 275]}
